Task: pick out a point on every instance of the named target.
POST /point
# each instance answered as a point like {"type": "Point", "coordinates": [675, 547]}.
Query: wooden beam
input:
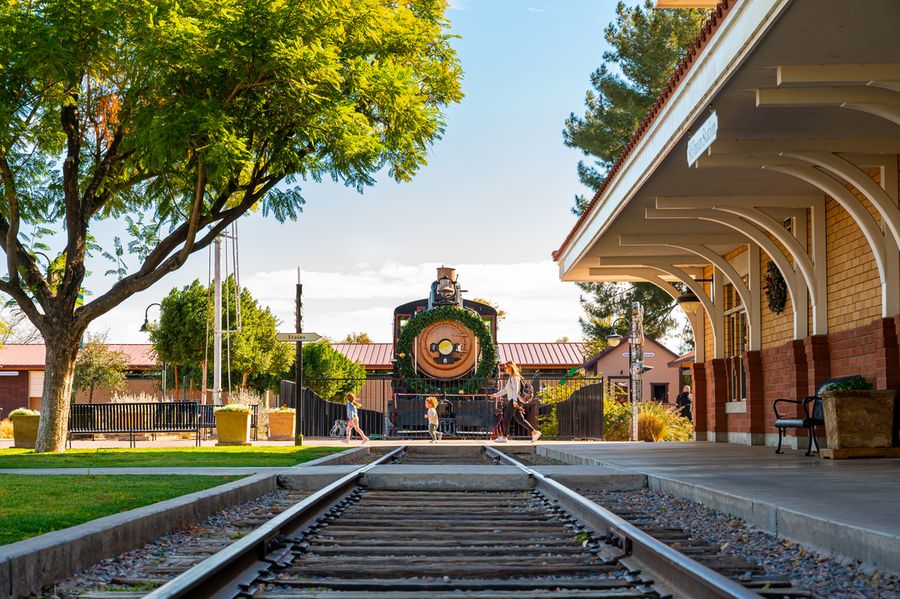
{"type": "Point", "coordinates": [867, 74]}
{"type": "Point", "coordinates": [782, 201]}
{"type": "Point", "coordinates": [866, 145]}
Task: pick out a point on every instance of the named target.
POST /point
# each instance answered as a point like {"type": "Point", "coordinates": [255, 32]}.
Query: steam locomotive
{"type": "Point", "coordinates": [445, 346]}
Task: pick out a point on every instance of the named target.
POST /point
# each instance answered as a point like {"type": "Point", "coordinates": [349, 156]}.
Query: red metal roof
{"type": "Point", "coordinates": [374, 356]}
{"type": "Point", "coordinates": [706, 32]}
{"type": "Point", "coordinates": [140, 356]}
{"type": "Point", "coordinates": [377, 356]}
{"type": "Point", "coordinates": [682, 360]}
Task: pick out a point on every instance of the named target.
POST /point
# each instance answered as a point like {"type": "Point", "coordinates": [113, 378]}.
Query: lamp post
{"type": "Point", "coordinates": [635, 360]}
{"type": "Point", "coordinates": [145, 328]}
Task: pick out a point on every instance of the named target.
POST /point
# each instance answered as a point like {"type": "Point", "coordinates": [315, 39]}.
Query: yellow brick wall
{"type": "Point", "coordinates": [854, 286]}
{"type": "Point", "coordinates": [775, 329]}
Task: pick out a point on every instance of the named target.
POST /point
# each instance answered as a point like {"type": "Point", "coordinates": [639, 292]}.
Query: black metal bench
{"type": "Point", "coordinates": [134, 418]}
{"type": "Point", "coordinates": [812, 417]}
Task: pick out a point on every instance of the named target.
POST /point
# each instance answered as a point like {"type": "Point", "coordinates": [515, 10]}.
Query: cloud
{"type": "Point", "coordinates": [363, 298]}
{"type": "Point", "coordinates": [533, 9]}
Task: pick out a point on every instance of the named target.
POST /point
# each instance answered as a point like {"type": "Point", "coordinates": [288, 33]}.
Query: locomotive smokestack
{"type": "Point", "coordinates": [446, 271]}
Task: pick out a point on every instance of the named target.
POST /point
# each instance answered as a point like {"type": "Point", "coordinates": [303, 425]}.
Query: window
{"type": "Point", "coordinates": [736, 343]}
{"type": "Point", "coordinates": [659, 392]}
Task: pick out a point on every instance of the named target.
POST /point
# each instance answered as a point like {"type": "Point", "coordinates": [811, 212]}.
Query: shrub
{"type": "Point", "coordinates": [854, 383]}
{"type": "Point", "coordinates": [283, 409]}
{"type": "Point", "coordinates": [234, 407]}
{"type": "Point", "coordinates": [617, 421]}
{"type": "Point", "coordinates": [6, 429]}
{"type": "Point", "coordinates": [651, 427]}
{"type": "Point", "coordinates": [24, 412]}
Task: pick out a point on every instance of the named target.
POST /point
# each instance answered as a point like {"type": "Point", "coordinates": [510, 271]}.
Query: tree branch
{"type": "Point", "coordinates": [24, 302]}
{"type": "Point", "coordinates": [196, 209]}
{"type": "Point", "coordinates": [75, 222]}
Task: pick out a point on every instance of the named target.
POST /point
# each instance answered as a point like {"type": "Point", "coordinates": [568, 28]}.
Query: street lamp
{"type": "Point", "coordinates": [145, 328]}
{"type": "Point", "coordinates": [689, 302]}
{"type": "Point", "coordinates": [635, 359]}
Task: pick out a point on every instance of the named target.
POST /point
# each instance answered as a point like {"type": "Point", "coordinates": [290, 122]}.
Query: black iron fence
{"type": "Point", "coordinates": [146, 417]}
{"type": "Point", "coordinates": [567, 408]}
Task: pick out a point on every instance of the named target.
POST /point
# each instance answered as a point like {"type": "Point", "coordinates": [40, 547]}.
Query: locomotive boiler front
{"type": "Point", "coordinates": [446, 349]}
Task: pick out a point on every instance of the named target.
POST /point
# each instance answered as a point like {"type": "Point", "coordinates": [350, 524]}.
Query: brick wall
{"type": "Point", "coordinates": [13, 393]}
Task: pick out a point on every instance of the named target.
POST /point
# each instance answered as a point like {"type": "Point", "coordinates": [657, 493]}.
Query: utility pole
{"type": "Point", "coordinates": [217, 326]}
{"type": "Point", "coordinates": [636, 364]}
{"type": "Point", "coordinates": [298, 363]}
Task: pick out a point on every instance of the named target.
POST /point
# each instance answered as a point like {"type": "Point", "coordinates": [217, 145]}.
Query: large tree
{"type": "Point", "coordinates": [182, 116]}
{"type": "Point", "coordinates": [646, 45]}
{"type": "Point", "coordinates": [181, 336]}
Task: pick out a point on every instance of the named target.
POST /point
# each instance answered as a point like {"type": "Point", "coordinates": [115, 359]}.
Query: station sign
{"type": "Point", "coordinates": [702, 138]}
{"type": "Point", "coordinates": [298, 337]}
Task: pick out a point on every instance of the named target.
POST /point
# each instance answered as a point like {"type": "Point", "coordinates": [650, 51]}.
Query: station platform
{"type": "Point", "coordinates": [850, 508]}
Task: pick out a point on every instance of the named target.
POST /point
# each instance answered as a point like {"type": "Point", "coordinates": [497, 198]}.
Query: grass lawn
{"type": "Point", "coordinates": [165, 457]}
{"type": "Point", "coordinates": [32, 505]}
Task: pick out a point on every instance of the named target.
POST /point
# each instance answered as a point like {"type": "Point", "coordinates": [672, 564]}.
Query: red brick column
{"type": "Point", "coordinates": [698, 378]}
{"type": "Point", "coordinates": [818, 363]}
{"type": "Point", "coordinates": [717, 395]}
{"type": "Point", "coordinates": [887, 353]}
{"type": "Point", "coordinates": [756, 400]}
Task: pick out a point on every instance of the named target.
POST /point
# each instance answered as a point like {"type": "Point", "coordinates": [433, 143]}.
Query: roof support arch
{"type": "Point", "coordinates": [719, 262]}
{"type": "Point", "coordinates": [797, 291]}
{"type": "Point", "coordinates": [651, 274]}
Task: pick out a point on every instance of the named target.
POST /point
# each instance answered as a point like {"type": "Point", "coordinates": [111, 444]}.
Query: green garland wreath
{"type": "Point", "coordinates": [776, 288]}
{"type": "Point", "coordinates": [404, 361]}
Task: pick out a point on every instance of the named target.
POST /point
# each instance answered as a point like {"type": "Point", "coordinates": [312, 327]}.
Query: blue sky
{"type": "Point", "coordinates": [494, 199]}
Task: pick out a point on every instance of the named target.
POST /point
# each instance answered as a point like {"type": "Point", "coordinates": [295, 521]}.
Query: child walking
{"type": "Point", "coordinates": [433, 420]}
{"type": "Point", "coordinates": [353, 405]}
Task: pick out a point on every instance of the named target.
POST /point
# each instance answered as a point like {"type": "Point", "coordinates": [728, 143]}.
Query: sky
{"type": "Point", "coordinates": [493, 200]}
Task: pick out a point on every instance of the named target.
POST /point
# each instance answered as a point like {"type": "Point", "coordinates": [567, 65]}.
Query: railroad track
{"type": "Point", "coordinates": [348, 542]}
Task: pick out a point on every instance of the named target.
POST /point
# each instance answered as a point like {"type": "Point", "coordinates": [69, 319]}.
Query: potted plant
{"type": "Point", "coordinates": [233, 424]}
{"type": "Point", "coordinates": [25, 427]}
{"type": "Point", "coordinates": [856, 416]}
{"type": "Point", "coordinates": [281, 423]}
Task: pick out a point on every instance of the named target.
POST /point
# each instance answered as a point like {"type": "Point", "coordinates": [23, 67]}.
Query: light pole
{"type": "Point", "coordinates": [635, 360]}
{"type": "Point", "coordinates": [145, 328]}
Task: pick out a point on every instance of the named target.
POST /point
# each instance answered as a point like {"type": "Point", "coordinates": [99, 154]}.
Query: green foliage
{"type": "Point", "coordinates": [853, 383]}
{"type": "Point", "coordinates": [354, 337]}
{"type": "Point", "coordinates": [99, 366]}
{"type": "Point", "coordinates": [185, 328]}
{"type": "Point", "coordinates": [646, 45]}
{"type": "Point", "coordinates": [330, 373]}
{"type": "Point", "coordinates": [475, 381]}
{"type": "Point", "coordinates": [24, 412]}
{"type": "Point", "coordinates": [617, 422]}
{"type": "Point", "coordinates": [234, 407]}
{"type": "Point", "coordinates": [180, 337]}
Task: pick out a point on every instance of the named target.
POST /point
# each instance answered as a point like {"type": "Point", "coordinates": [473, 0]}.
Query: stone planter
{"type": "Point", "coordinates": [25, 430]}
{"type": "Point", "coordinates": [858, 419]}
{"type": "Point", "coordinates": [281, 425]}
{"type": "Point", "coordinates": [233, 428]}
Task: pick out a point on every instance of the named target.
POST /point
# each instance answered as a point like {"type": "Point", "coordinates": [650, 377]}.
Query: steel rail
{"type": "Point", "coordinates": [672, 571]}
{"type": "Point", "coordinates": [228, 572]}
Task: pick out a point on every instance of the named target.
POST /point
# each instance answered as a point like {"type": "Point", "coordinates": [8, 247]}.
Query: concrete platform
{"type": "Point", "coordinates": [849, 508]}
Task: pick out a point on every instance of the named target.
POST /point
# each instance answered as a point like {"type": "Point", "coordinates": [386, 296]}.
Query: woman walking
{"type": "Point", "coordinates": [353, 405]}
{"type": "Point", "coordinates": [513, 410]}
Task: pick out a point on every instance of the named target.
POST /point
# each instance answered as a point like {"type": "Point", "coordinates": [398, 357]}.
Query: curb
{"type": "Point", "coordinates": [27, 566]}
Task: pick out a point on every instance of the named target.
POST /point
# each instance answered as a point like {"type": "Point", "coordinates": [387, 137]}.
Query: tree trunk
{"type": "Point", "coordinates": [91, 394]}
{"type": "Point", "coordinates": [244, 381]}
{"type": "Point", "coordinates": [59, 372]}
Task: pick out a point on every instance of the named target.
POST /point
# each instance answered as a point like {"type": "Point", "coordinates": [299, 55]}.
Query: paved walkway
{"type": "Point", "coordinates": [850, 507]}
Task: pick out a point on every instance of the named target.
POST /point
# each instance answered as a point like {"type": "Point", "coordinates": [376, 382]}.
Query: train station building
{"type": "Point", "coordinates": [765, 180]}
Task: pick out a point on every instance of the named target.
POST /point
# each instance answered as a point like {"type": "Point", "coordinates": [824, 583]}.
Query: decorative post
{"type": "Point", "coordinates": [636, 364]}
{"type": "Point", "coordinates": [217, 326]}
{"type": "Point", "coordinates": [298, 362]}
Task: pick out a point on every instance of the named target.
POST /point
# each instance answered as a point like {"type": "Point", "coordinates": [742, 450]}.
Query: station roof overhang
{"type": "Point", "coordinates": [786, 79]}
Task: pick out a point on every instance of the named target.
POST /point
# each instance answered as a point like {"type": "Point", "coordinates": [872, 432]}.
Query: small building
{"type": "Point", "coordinates": [22, 375]}
{"type": "Point", "coordinates": [661, 383]}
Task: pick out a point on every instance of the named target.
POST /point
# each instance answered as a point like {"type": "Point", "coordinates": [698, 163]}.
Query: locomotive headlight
{"type": "Point", "coordinates": [445, 347]}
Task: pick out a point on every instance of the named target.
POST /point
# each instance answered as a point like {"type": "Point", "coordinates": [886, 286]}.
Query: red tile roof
{"type": "Point", "coordinates": [706, 32]}
{"type": "Point", "coordinates": [377, 356]}
{"type": "Point", "coordinates": [140, 356]}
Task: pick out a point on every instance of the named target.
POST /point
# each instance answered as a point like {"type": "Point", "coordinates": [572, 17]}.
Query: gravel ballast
{"type": "Point", "coordinates": [823, 575]}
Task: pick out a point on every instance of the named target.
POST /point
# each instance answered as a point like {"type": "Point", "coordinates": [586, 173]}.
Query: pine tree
{"type": "Point", "coordinates": [647, 45]}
